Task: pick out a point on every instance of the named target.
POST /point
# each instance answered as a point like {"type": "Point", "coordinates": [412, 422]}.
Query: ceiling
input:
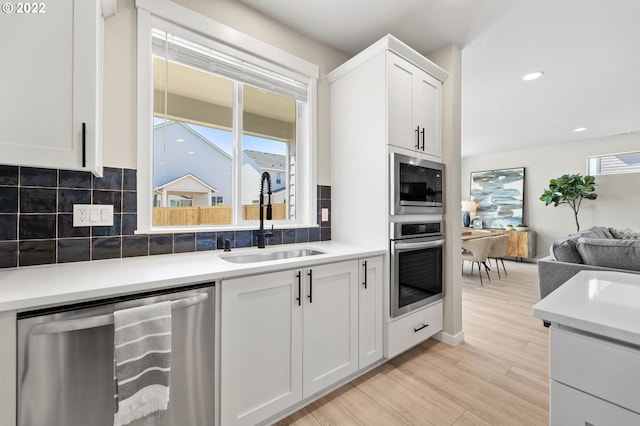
{"type": "Point", "coordinates": [589, 51]}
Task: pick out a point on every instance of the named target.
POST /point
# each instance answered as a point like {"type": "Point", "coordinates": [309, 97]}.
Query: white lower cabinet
{"type": "Point", "coordinates": [413, 328]}
{"type": "Point", "coordinates": [284, 337]}
{"type": "Point", "coordinates": [593, 380]}
{"type": "Point", "coordinates": [330, 325]}
{"type": "Point", "coordinates": [260, 347]}
{"type": "Point", "coordinates": [370, 311]}
{"type": "Point", "coordinates": [571, 407]}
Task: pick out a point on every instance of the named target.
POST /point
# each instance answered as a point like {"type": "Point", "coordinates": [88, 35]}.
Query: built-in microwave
{"type": "Point", "coordinates": [416, 185]}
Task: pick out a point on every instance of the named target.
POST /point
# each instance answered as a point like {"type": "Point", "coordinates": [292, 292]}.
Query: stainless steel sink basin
{"type": "Point", "coordinates": [272, 255]}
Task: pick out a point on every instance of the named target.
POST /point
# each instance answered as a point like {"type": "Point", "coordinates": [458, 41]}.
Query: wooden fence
{"type": "Point", "coordinates": [209, 215]}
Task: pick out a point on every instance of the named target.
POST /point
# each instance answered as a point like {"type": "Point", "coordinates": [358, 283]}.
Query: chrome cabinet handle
{"type": "Point", "coordinates": [102, 320]}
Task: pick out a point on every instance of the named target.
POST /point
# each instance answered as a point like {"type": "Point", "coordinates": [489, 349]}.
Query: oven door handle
{"type": "Point", "coordinates": [418, 245]}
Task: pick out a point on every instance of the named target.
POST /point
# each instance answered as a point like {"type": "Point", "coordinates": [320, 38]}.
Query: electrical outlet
{"type": "Point", "coordinates": [325, 214]}
{"type": "Point", "coordinates": [92, 215]}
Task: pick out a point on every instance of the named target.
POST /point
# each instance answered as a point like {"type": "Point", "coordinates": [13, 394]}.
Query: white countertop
{"type": "Point", "coordinates": [600, 302]}
{"type": "Point", "coordinates": [35, 287]}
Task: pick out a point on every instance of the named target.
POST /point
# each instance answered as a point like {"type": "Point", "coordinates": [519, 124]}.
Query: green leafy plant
{"type": "Point", "coordinates": [570, 189]}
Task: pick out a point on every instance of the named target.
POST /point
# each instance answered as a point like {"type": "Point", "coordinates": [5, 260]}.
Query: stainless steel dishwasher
{"type": "Point", "coordinates": [65, 361]}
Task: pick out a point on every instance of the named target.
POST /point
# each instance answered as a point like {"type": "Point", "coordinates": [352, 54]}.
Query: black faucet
{"type": "Point", "coordinates": [261, 233]}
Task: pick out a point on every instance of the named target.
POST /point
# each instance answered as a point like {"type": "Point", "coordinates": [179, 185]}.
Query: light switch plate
{"type": "Point", "coordinates": [92, 215]}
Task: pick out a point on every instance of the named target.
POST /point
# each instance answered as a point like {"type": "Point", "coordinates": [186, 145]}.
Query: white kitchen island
{"type": "Point", "coordinates": [594, 349]}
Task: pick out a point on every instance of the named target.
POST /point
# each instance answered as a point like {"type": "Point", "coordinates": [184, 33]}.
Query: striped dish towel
{"type": "Point", "coordinates": [142, 352]}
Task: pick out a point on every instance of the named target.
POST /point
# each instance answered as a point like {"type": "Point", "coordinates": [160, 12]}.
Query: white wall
{"type": "Point", "coordinates": [120, 72]}
{"type": "Point", "coordinates": [618, 201]}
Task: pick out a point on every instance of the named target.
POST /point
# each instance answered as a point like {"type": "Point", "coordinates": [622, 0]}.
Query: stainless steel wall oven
{"type": "Point", "coordinates": [417, 185]}
{"type": "Point", "coordinates": [417, 255]}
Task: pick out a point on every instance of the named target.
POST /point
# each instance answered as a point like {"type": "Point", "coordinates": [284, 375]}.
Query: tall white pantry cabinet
{"type": "Point", "coordinates": [385, 99]}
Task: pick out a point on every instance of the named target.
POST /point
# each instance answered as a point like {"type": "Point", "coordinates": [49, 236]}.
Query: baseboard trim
{"type": "Point", "coordinates": [450, 339]}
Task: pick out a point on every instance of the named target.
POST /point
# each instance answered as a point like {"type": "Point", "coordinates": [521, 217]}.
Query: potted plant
{"type": "Point", "coordinates": [570, 189]}
{"type": "Point", "coordinates": [521, 227]}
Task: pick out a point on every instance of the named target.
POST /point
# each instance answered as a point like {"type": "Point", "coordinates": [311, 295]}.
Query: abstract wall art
{"type": "Point", "coordinates": [499, 195]}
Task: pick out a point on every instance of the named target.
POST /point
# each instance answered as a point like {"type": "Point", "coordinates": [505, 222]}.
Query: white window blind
{"type": "Point", "coordinates": [177, 49]}
{"type": "Point", "coordinates": [611, 164]}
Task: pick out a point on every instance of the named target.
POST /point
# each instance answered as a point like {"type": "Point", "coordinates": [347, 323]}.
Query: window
{"type": "Point", "coordinates": [611, 164]}
{"type": "Point", "coordinates": [218, 118]}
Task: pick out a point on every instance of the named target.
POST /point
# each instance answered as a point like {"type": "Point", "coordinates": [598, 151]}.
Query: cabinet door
{"type": "Point", "coordinates": [427, 113]}
{"type": "Point", "coordinates": [50, 82]}
{"type": "Point", "coordinates": [413, 107]}
{"type": "Point", "coordinates": [571, 407]}
{"type": "Point", "coordinates": [260, 347]}
{"type": "Point", "coordinates": [330, 325]}
{"type": "Point", "coordinates": [370, 305]}
{"type": "Point", "coordinates": [521, 244]}
{"type": "Point", "coordinates": [400, 92]}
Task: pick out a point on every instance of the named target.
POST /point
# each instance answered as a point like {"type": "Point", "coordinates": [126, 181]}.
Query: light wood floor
{"type": "Point", "coordinates": [497, 376]}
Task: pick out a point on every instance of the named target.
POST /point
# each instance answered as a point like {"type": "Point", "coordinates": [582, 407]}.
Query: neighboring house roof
{"type": "Point", "coordinates": [266, 160]}
{"type": "Point", "coordinates": [184, 179]}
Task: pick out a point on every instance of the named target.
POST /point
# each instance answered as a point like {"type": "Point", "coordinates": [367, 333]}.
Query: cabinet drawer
{"type": "Point", "coordinates": [570, 407]}
{"type": "Point", "coordinates": [602, 368]}
{"type": "Point", "coordinates": [410, 330]}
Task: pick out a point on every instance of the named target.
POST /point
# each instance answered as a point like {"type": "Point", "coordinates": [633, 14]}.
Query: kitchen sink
{"type": "Point", "coordinates": [272, 255]}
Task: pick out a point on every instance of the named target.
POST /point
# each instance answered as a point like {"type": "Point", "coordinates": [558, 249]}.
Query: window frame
{"type": "Point", "coordinates": [174, 17]}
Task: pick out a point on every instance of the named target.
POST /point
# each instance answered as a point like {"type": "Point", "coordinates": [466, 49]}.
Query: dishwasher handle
{"type": "Point", "coordinates": [102, 320]}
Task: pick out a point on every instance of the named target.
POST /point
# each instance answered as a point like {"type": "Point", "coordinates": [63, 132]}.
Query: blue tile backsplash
{"type": "Point", "coordinates": [36, 220]}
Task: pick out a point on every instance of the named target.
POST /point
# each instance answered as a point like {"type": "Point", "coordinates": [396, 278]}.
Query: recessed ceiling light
{"type": "Point", "coordinates": [179, 140]}
{"type": "Point", "coordinates": [190, 152]}
{"type": "Point", "coordinates": [533, 76]}
{"type": "Point", "coordinates": [579, 129]}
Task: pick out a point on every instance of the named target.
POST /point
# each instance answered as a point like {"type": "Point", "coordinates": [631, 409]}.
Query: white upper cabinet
{"type": "Point", "coordinates": [51, 85]}
{"type": "Point", "coordinates": [413, 107]}
{"type": "Point", "coordinates": [385, 99]}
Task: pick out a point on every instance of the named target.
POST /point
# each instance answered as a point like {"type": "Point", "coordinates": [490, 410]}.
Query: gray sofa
{"type": "Point", "coordinates": [596, 249]}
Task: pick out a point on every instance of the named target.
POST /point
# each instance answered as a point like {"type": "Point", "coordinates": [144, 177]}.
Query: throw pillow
{"type": "Point", "coordinates": [610, 253]}
{"type": "Point", "coordinates": [564, 250]}
{"type": "Point", "coordinates": [625, 234]}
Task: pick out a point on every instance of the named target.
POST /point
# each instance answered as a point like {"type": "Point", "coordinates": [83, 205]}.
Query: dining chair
{"type": "Point", "coordinates": [498, 250]}
{"type": "Point", "coordinates": [477, 251]}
